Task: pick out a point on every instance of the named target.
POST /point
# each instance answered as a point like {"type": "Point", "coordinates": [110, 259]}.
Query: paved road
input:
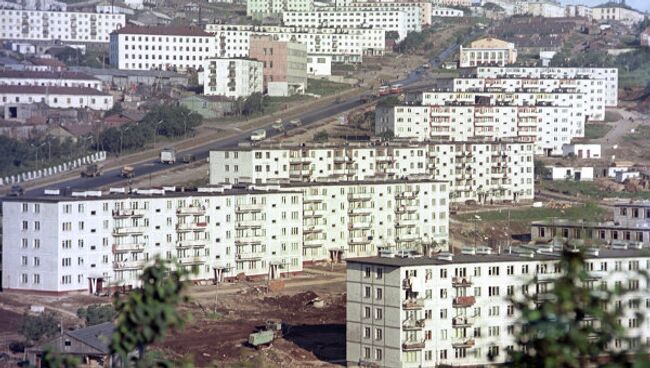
{"type": "Point", "coordinates": [201, 153]}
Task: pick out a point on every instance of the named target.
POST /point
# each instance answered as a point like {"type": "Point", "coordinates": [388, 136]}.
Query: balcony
{"type": "Point", "coordinates": [252, 207]}
{"type": "Point", "coordinates": [354, 197]}
{"type": "Point", "coordinates": [462, 321]}
{"type": "Point", "coordinates": [544, 297]}
{"type": "Point", "coordinates": [312, 230]}
{"type": "Point", "coordinates": [128, 230]}
{"type": "Point", "coordinates": [413, 324]}
{"type": "Point", "coordinates": [193, 226]}
{"type": "Point", "coordinates": [359, 225]}
{"type": "Point", "coordinates": [248, 240]}
{"type": "Point", "coordinates": [342, 159]}
{"type": "Point", "coordinates": [545, 277]}
{"type": "Point", "coordinates": [123, 213]}
{"type": "Point", "coordinates": [313, 213]}
{"type": "Point", "coordinates": [406, 238]}
{"type": "Point", "coordinates": [405, 209]}
{"type": "Point", "coordinates": [413, 304]}
{"type": "Point", "coordinates": [359, 240]}
{"type": "Point", "coordinates": [196, 243]}
{"type": "Point", "coordinates": [128, 265]}
{"type": "Point", "coordinates": [359, 211]}
{"type": "Point", "coordinates": [192, 261]}
{"type": "Point", "coordinates": [406, 223]}
{"type": "Point", "coordinates": [458, 281]}
{"type": "Point", "coordinates": [249, 224]}
{"type": "Point", "coordinates": [463, 343]}
{"type": "Point", "coordinates": [406, 195]}
{"type": "Point", "coordinates": [128, 247]}
{"type": "Point", "coordinates": [299, 159]}
{"type": "Point", "coordinates": [312, 243]}
{"type": "Point", "coordinates": [248, 256]}
{"type": "Point", "coordinates": [463, 301]}
{"type": "Point", "coordinates": [190, 211]}
{"type": "Point", "coordinates": [413, 345]}
{"type": "Point", "coordinates": [312, 200]}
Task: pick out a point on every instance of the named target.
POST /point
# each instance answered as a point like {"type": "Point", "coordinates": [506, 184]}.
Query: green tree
{"type": "Point", "coordinates": [96, 313]}
{"type": "Point", "coordinates": [52, 359]}
{"type": "Point", "coordinates": [573, 323]}
{"type": "Point", "coordinates": [148, 313]}
{"type": "Point", "coordinates": [36, 327]}
{"type": "Point", "coordinates": [389, 101]}
{"type": "Point", "coordinates": [392, 35]}
{"type": "Point", "coordinates": [253, 104]}
{"type": "Point", "coordinates": [321, 137]}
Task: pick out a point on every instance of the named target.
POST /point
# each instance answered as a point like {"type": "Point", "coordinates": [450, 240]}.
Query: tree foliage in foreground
{"type": "Point", "coordinates": [36, 327]}
{"type": "Point", "coordinates": [575, 323]}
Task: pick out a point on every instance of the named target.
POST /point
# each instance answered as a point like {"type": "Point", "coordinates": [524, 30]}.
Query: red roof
{"type": "Point", "coordinates": [162, 31]}
{"type": "Point", "coordinates": [51, 90]}
{"type": "Point", "coordinates": [24, 74]}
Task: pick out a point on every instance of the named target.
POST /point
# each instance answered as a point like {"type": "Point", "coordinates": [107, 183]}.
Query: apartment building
{"type": "Point", "coordinates": [548, 128]}
{"type": "Point", "coordinates": [174, 48]}
{"type": "Point", "coordinates": [233, 77]}
{"type": "Point", "coordinates": [388, 20]}
{"type": "Point", "coordinates": [343, 45]}
{"type": "Point", "coordinates": [608, 76]}
{"type": "Point", "coordinates": [618, 12]}
{"type": "Point", "coordinates": [480, 170]}
{"type": "Point", "coordinates": [52, 79]}
{"type": "Point", "coordinates": [631, 225]}
{"type": "Point", "coordinates": [441, 12]}
{"type": "Point", "coordinates": [453, 310]}
{"type": "Point", "coordinates": [40, 25]}
{"type": "Point", "coordinates": [56, 97]}
{"type": "Point", "coordinates": [418, 14]}
{"type": "Point", "coordinates": [488, 51]}
{"type": "Point", "coordinates": [348, 219]}
{"type": "Point", "coordinates": [62, 242]}
{"type": "Point", "coordinates": [463, 3]}
{"type": "Point", "coordinates": [594, 90]}
{"type": "Point", "coordinates": [265, 8]}
{"type": "Point", "coordinates": [284, 64]}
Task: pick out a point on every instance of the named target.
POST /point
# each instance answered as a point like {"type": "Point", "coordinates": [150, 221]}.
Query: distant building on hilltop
{"type": "Point", "coordinates": [617, 11]}
{"type": "Point", "coordinates": [645, 37]}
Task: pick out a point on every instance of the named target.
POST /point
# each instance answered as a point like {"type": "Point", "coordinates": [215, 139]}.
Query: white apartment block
{"type": "Point", "coordinates": [609, 76]}
{"type": "Point", "coordinates": [90, 240]}
{"type": "Point", "coordinates": [177, 48]}
{"type": "Point", "coordinates": [56, 97]}
{"type": "Point", "coordinates": [593, 90]}
{"type": "Point", "coordinates": [543, 8]}
{"type": "Point", "coordinates": [262, 8]}
{"type": "Point", "coordinates": [549, 128]}
{"type": "Point", "coordinates": [387, 20]}
{"type": "Point", "coordinates": [617, 12]}
{"type": "Point", "coordinates": [440, 12]}
{"type": "Point", "coordinates": [58, 26]}
{"type": "Point", "coordinates": [233, 77]}
{"type": "Point", "coordinates": [425, 7]}
{"type": "Point", "coordinates": [463, 3]}
{"type": "Point", "coordinates": [454, 310]}
{"type": "Point", "coordinates": [418, 14]}
{"type": "Point", "coordinates": [482, 171]}
{"type": "Point", "coordinates": [343, 45]}
{"type": "Point", "coordinates": [348, 219]}
{"type": "Point", "coordinates": [56, 79]}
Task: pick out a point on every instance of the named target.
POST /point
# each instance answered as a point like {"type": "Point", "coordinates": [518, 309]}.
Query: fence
{"type": "Point", "coordinates": [53, 170]}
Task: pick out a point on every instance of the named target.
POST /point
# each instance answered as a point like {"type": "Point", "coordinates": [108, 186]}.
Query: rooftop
{"type": "Point", "coordinates": [162, 31]}
{"type": "Point", "coordinates": [26, 74]}
{"type": "Point", "coordinates": [86, 91]}
{"type": "Point", "coordinates": [120, 73]}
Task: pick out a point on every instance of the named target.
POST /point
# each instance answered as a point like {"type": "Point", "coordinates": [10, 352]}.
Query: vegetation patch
{"type": "Point", "coordinates": [589, 212]}
{"type": "Point", "coordinates": [596, 131]}
{"type": "Point", "coordinates": [588, 189]}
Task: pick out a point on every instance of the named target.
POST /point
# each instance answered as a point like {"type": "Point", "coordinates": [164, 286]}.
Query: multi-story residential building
{"type": "Point", "coordinates": [463, 3]}
{"type": "Point", "coordinates": [284, 62]}
{"type": "Point", "coordinates": [343, 45]}
{"type": "Point", "coordinates": [58, 26]}
{"type": "Point", "coordinates": [579, 11]}
{"type": "Point", "coordinates": [265, 8]}
{"type": "Point", "coordinates": [618, 12]}
{"type": "Point", "coordinates": [547, 127]}
{"type": "Point", "coordinates": [232, 77]}
{"type": "Point", "coordinates": [56, 97]}
{"type": "Point", "coordinates": [644, 37]}
{"type": "Point", "coordinates": [441, 12]}
{"type": "Point", "coordinates": [52, 79]}
{"type": "Point", "coordinates": [593, 89]}
{"type": "Point", "coordinates": [418, 14]}
{"type": "Point", "coordinates": [160, 47]}
{"type": "Point", "coordinates": [483, 171]}
{"type": "Point", "coordinates": [631, 225]}
{"type": "Point", "coordinates": [540, 8]}
{"type": "Point", "coordinates": [609, 76]}
{"type": "Point", "coordinates": [358, 218]}
{"type": "Point", "coordinates": [388, 20]}
{"type": "Point", "coordinates": [488, 51]}
{"type": "Point", "coordinates": [454, 310]}
{"type": "Point", "coordinates": [62, 242]}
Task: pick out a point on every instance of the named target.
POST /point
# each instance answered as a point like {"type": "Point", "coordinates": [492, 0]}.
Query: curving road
{"type": "Point", "coordinates": [201, 153]}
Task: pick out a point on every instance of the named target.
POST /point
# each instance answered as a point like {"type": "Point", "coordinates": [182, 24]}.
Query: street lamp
{"type": "Point", "coordinates": [122, 138]}
{"type": "Point", "coordinates": [477, 218]}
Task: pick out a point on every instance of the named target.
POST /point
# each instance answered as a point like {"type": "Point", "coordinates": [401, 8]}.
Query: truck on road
{"type": "Point", "coordinates": [127, 172]}
{"type": "Point", "coordinates": [168, 156]}
{"type": "Point", "coordinates": [91, 171]}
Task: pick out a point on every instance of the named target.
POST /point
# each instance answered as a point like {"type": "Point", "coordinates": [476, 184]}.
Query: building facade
{"type": "Point", "coordinates": [425, 7]}
{"type": "Point", "coordinates": [631, 225]}
{"type": "Point", "coordinates": [387, 20]}
{"type": "Point", "coordinates": [58, 26]}
{"type": "Point", "coordinates": [441, 12]}
{"type": "Point", "coordinates": [482, 171]}
{"type": "Point", "coordinates": [343, 45]}
{"type": "Point", "coordinates": [56, 97]}
{"type": "Point", "coordinates": [617, 12]}
{"type": "Point", "coordinates": [173, 48]}
{"type": "Point", "coordinates": [52, 79]}
{"type": "Point", "coordinates": [284, 63]}
{"type": "Point", "coordinates": [488, 51]}
{"type": "Point", "coordinates": [454, 310]}
{"type": "Point", "coordinates": [233, 77]}
{"type": "Point", "coordinates": [85, 241]}
{"type": "Point", "coordinates": [265, 8]}
{"type": "Point", "coordinates": [608, 76]}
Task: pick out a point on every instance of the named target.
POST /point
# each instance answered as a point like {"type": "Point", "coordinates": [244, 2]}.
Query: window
{"type": "Point", "coordinates": [379, 354]}
{"type": "Point", "coordinates": [366, 274]}
{"type": "Point", "coordinates": [493, 351]}
{"type": "Point", "coordinates": [366, 332]}
{"type": "Point", "coordinates": [379, 294]}
{"type": "Point", "coordinates": [366, 312]}
{"type": "Point", "coordinates": [380, 273]}
{"type": "Point", "coordinates": [443, 314]}
{"type": "Point", "coordinates": [379, 334]}
{"type": "Point", "coordinates": [379, 314]}
{"type": "Point", "coordinates": [366, 292]}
